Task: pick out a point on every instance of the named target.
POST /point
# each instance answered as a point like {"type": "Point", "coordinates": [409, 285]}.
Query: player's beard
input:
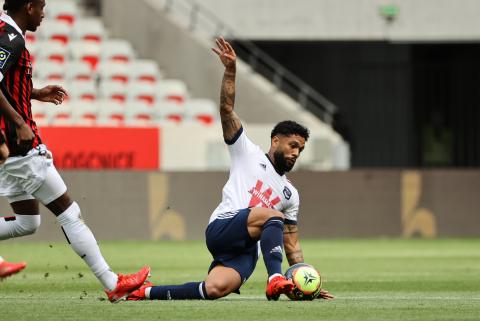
{"type": "Point", "coordinates": [281, 162]}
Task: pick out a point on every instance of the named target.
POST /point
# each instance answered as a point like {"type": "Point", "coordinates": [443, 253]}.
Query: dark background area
{"type": "Point", "coordinates": [401, 105]}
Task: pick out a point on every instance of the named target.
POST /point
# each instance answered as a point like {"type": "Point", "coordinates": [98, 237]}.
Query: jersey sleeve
{"type": "Point", "coordinates": [240, 145]}
{"type": "Point", "coordinates": [291, 212]}
{"type": "Point", "coordinates": [10, 51]}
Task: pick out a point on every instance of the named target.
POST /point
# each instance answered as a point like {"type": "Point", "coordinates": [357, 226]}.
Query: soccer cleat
{"type": "Point", "coordinates": [278, 285]}
{"type": "Point", "coordinates": [128, 283]}
{"type": "Point", "coordinates": [7, 268]}
{"type": "Point", "coordinates": [139, 294]}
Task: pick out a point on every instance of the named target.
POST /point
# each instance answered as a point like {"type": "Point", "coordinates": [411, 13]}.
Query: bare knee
{"type": "Point", "coordinates": [216, 289]}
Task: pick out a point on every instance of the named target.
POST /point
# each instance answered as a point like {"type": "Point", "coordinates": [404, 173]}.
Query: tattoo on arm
{"type": "Point", "coordinates": [290, 229]}
{"type": "Point", "coordinates": [295, 257]}
{"type": "Point", "coordinates": [230, 121]}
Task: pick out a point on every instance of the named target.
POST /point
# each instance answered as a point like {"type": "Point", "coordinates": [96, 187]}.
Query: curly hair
{"type": "Point", "coordinates": [14, 5]}
{"type": "Point", "coordinates": [288, 128]}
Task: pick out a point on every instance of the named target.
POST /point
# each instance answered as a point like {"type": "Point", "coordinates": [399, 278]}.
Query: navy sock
{"type": "Point", "coordinates": [187, 291]}
{"type": "Point", "coordinates": [271, 242]}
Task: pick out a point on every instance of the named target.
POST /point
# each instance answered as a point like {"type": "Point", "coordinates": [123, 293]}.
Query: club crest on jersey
{"type": "Point", "coordinates": [287, 193]}
{"type": "Point", "coordinates": [4, 55]}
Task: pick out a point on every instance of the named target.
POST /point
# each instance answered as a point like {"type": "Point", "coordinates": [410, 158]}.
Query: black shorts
{"type": "Point", "coordinates": [230, 244]}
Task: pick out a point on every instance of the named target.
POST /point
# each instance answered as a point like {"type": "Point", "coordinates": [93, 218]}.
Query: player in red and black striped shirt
{"type": "Point", "coordinates": [28, 176]}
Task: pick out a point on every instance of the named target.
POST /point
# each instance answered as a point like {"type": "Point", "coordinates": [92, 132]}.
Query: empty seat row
{"type": "Point", "coordinates": [110, 113]}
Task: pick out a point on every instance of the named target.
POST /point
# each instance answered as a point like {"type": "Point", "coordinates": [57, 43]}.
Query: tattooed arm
{"type": "Point", "coordinates": [293, 250]}
{"type": "Point", "coordinates": [231, 123]}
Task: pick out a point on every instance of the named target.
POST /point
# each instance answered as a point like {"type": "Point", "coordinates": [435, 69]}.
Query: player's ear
{"type": "Point", "coordinates": [275, 141]}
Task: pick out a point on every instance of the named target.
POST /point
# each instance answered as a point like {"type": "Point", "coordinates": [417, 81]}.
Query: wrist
{"type": "Point", "coordinates": [231, 68]}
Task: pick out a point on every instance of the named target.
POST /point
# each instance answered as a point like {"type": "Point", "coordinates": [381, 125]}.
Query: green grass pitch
{"type": "Point", "coordinates": [373, 279]}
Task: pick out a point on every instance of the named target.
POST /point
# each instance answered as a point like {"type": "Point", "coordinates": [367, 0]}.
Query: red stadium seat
{"type": "Point", "coordinates": [201, 110]}
{"type": "Point", "coordinates": [111, 90]}
{"type": "Point", "coordinates": [172, 89]}
{"type": "Point", "coordinates": [62, 11]}
{"type": "Point", "coordinates": [86, 51]}
{"type": "Point", "coordinates": [89, 29]}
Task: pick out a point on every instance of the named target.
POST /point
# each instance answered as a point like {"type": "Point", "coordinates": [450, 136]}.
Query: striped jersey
{"type": "Point", "coordinates": [254, 182]}
{"type": "Point", "coordinates": [15, 81]}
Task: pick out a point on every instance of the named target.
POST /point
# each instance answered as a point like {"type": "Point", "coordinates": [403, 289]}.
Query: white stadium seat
{"type": "Point", "coordinates": [144, 71]}
{"type": "Point", "coordinates": [139, 114]}
{"type": "Point", "coordinates": [53, 51]}
{"type": "Point", "coordinates": [79, 70]}
{"type": "Point", "coordinates": [168, 111]}
{"type": "Point", "coordinates": [63, 11]}
{"type": "Point", "coordinates": [117, 50]}
{"type": "Point", "coordinates": [114, 71]}
{"type": "Point", "coordinates": [89, 29]}
{"type": "Point", "coordinates": [144, 92]}
{"type": "Point", "coordinates": [86, 51]}
{"type": "Point", "coordinates": [39, 112]}
{"type": "Point", "coordinates": [48, 70]}
{"type": "Point", "coordinates": [201, 110]}
{"type": "Point", "coordinates": [172, 89]}
{"type": "Point", "coordinates": [55, 31]}
{"type": "Point", "coordinates": [84, 113]}
{"type": "Point", "coordinates": [113, 90]}
{"type": "Point", "coordinates": [60, 115]}
{"type": "Point", "coordinates": [82, 90]}
{"type": "Point", "coordinates": [110, 113]}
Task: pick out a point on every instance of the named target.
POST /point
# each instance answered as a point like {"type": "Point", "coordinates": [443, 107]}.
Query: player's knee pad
{"type": "Point", "coordinates": [26, 224]}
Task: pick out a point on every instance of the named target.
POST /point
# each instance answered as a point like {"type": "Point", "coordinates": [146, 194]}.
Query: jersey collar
{"type": "Point", "coordinates": [6, 18]}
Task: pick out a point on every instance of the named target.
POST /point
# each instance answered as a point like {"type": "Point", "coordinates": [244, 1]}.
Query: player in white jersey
{"type": "Point", "coordinates": [258, 204]}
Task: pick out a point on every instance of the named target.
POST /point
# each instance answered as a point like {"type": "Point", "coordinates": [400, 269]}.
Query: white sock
{"type": "Point", "coordinates": [19, 225]}
{"type": "Point", "coordinates": [147, 292]}
{"type": "Point", "coordinates": [84, 244]}
{"type": "Point", "coordinates": [272, 276]}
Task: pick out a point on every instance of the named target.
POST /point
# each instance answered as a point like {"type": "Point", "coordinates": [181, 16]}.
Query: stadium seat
{"type": "Point", "coordinates": [84, 113]}
{"type": "Point", "coordinates": [49, 70]}
{"type": "Point", "coordinates": [144, 71]}
{"type": "Point", "coordinates": [53, 51]}
{"type": "Point", "coordinates": [139, 114]}
{"type": "Point", "coordinates": [110, 113]}
{"type": "Point", "coordinates": [39, 113]}
{"type": "Point", "coordinates": [82, 90]}
{"type": "Point", "coordinates": [30, 37]}
{"type": "Point", "coordinates": [144, 92]}
{"type": "Point", "coordinates": [89, 29]}
{"type": "Point", "coordinates": [172, 89]}
{"type": "Point", "coordinates": [54, 31]}
{"type": "Point", "coordinates": [168, 111]}
{"type": "Point", "coordinates": [60, 115]}
{"type": "Point", "coordinates": [202, 110]}
{"type": "Point", "coordinates": [114, 71]}
{"type": "Point", "coordinates": [117, 50]}
{"type": "Point", "coordinates": [78, 70]}
{"type": "Point", "coordinates": [63, 11]}
{"type": "Point", "coordinates": [113, 90]}
{"type": "Point", "coordinates": [86, 51]}
{"type": "Point", "coordinates": [33, 49]}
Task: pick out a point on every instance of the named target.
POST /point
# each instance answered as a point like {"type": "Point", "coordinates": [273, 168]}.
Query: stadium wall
{"type": "Point", "coordinates": [425, 20]}
{"type": "Point", "coordinates": [153, 205]}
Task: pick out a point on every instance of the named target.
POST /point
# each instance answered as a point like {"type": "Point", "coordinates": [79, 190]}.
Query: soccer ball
{"type": "Point", "coordinates": [307, 280]}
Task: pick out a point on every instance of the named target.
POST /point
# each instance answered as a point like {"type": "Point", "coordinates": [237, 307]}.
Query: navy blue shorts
{"type": "Point", "coordinates": [230, 244]}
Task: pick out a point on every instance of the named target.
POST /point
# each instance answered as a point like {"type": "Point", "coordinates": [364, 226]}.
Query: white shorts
{"type": "Point", "coordinates": [31, 177]}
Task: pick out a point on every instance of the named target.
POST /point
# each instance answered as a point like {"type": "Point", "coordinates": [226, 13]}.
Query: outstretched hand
{"type": "Point", "coordinates": [51, 94]}
{"type": "Point", "coordinates": [225, 52]}
{"type": "Point", "coordinates": [324, 294]}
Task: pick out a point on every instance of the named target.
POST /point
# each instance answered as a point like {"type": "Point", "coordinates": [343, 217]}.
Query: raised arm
{"type": "Point", "coordinates": [231, 123]}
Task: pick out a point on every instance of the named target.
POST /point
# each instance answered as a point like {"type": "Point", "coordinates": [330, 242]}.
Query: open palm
{"type": "Point", "coordinates": [225, 52]}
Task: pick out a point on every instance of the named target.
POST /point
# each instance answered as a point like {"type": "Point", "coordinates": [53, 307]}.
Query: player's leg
{"type": "Point", "coordinates": [266, 225]}
{"type": "Point", "coordinates": [9, 268]}
{"type": "Point", "coordinates": [26, 220]}
{"type": "Point", "coordinates": [52, 193]}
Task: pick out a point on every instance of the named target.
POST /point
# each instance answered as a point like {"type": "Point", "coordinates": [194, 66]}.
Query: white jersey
{"type": "Point", "coordinates": [253, 182]}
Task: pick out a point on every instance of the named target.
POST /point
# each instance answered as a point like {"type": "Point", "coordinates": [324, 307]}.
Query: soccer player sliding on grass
{"type": "Point", "coordinates": [28, 176]}
{"type": "Point", "coordinates": [259, 204]}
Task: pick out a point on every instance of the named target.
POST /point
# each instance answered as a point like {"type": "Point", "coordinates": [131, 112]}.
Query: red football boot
{"type": "Point", "coordinates": [128, 283]}
{"type": "Point", "coordinates": [278, 285]}
{"type": "Point", "coordinates": [139, 294]}
{"type": "Point", "coordinates": [7, 268]}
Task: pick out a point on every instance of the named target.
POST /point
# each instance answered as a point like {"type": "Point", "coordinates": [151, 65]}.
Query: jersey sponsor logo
{"type": "Point", "coordinates": [262, 199]}
{"type": "Point", "coordinates": [12, 36]}
{"type": "Point", "coordinates": [4, 55]}
{"type": "Point", "coordinates": [287, 193]}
